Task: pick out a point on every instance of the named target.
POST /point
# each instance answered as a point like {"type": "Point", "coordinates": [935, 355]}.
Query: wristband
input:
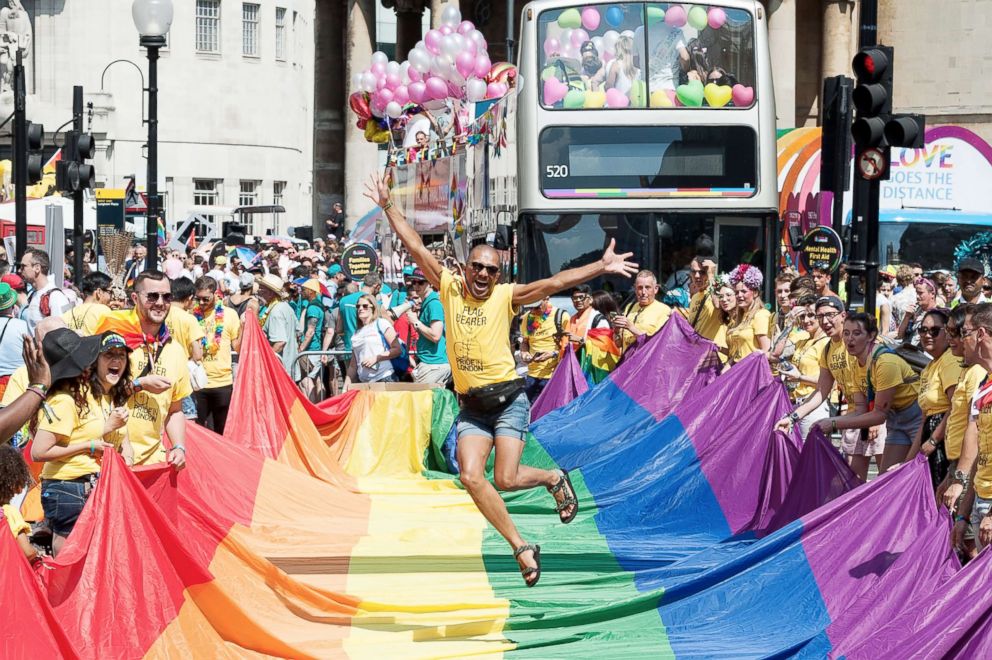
{"type": "Point", "coordinates": [35, 390]}
{"type": "Point", "coordinates": [92, 447]}
{"type": "Point", "coordinates": [41, 387]}
{"type": "Point", "coordinates": [388, 205]}
{"type": "Point", "coordinates": [959, 518]}
{"type": "Point", "coordinates": [179, 447]}
{"type": "Point", "coordinates": [793, 417]}
{"type": "Point", "coordinates": [136, 384]}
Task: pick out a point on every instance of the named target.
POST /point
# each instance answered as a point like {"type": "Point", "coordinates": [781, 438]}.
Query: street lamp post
{"type": "Point", "coordinates": [152, 18]}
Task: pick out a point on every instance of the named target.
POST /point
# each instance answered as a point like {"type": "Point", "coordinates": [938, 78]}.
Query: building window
{"type": "Point", "coordinates": [208, 26]}
{"type": "Point", "coordinates": [249, 29]}
{"type": "Point", "coordinates": [249, 193]}
{"type": "Point", "coordinates": [280, 33]}
{"type": "Point", "coordinates": [278, 190]}
{"type": "Point", "coordinates": [205, 193]}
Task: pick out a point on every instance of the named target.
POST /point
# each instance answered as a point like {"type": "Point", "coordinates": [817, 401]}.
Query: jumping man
{"type": "Point", "coordinates": [494, 412]}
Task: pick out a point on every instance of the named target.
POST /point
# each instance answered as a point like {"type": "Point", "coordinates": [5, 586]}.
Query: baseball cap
{"type": "Point", "coordinates": [417, 274]}
{"type": "Point", "coordinates": [407, 271]}
{"type": "Point", "coordinates": [15, 281]}
{"type": "Point", "coordinates": [973, 264]}
{"type": "Point", "coordinates": [334, 269]}
{"type": "Point", "coordinates": [221, 260]}
{"type": "Point", "coordinates": [830, 301]}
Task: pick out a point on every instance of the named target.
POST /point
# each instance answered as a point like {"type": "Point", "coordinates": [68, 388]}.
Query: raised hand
{"type": "Point", "coordinates": [34, 360]}
{"type": "Point", "coordinates": [377, 190]}
{"type": "Point", "coordinates": [617, 263]}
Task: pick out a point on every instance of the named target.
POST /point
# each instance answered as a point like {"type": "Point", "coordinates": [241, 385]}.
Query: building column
{"type": "Point", "coordinates": [782, 44]}
{"type": "Point", "coordinates": [436, 7]}
{"type": "Point", "coordinates": [838, 38]}
{"type": "Point", "coordinates": [409, 19]}
{"type": "Point", "coordinates": [360, 156]}
{"type": "Point", "coordinates": [330, 106]}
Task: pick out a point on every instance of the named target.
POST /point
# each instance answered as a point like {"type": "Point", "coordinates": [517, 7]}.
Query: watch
{"type": "Point", "coordinates": [961, 477]}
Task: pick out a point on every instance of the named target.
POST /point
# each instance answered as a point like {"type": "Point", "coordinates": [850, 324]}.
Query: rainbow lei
{"type": "Point", "coordinates": [534, 321]}
{"type": "Point", "coordinates": [214, 345]}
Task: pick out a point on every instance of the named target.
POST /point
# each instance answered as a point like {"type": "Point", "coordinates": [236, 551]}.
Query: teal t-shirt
{"type": "Point", "coordinates": [349, 317]}
{"type": "Point", "coordinates": [427, 351]}
{"type": "Point", "coordinates": [314, 311]}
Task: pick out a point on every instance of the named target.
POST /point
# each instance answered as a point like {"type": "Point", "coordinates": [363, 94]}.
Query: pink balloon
{"type": "Point", "coordinates": [465, 27]}
{"type": "Point", "coordinates": [401, 94]}
{"type": "Point", "coordinates": [743, 96]}
{"type": "Point", "coordinates": [432, 41]}
{"type": "Point", "coordinates": [385, 96]}
{"type": "Point", "coordinates": [675, 16]}
{"type": "Point", "coordinates": [456, 91]}
{"type": "Point", "coordinates": [418, 91]}
{"type": "Point", "coordinates": [551, 46]}
{"type": "Point", "coordinates": [607, 56]}
{"type": "Point", "coordinates": [393, 81]}
{"type": "Point", "coordinates": [716, 18]}
{"type": "Point", "coordinates": [414, 75]}
{"type": "Point", "coordinates": [579, 37]}
{"type": "Point", "coordinates": [616, 99]}
{"type": "Point", "coordinates": [380, 82]}
{"type": "Point", "coordinates": [482, 65]}
{"type": "Point", "coordinates": [465, 63]}
{"type": "Point", "coordinates": [436, 88]}
{"type": "Point", "coordinates": [554, 91]}
{"type": "Point", "coordinates": [378, 68]}
{"type": "Point", "coordinates": [445, 30]}
{"type": "Point", "coordinates": [590, 18]}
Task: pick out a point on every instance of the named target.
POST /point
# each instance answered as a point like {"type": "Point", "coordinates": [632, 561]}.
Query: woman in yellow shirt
{"type": "Point", "coordinates": [802, 372]}
{"type": "Point", "coordinates": [749, 331]}
{"type": "Point", "coordinates": [889, 390]}
{"type": "Point", "coordinates": [937, 384]}
{"type": "Point", "coordinates": [726, 303]}
{"type": "Point", "coordinates": [85, 415]}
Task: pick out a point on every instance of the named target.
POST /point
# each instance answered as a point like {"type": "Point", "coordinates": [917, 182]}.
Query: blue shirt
{"type": "Point", "coordinates": [314, 311]}
{"type": "Point", "coordinates": [11, 344]}
{"type": "Point", "coordinates": [349, 317]}
{"type": "Point", "coordinates": [430, 352]}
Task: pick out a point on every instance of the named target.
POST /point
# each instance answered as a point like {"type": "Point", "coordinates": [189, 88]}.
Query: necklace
{"type": "Point", "coordinates": [213, 346]}
{"type": "Point", "coordinates": [534, 321]}
{"type": "Point", "coordinates": [263, 314]}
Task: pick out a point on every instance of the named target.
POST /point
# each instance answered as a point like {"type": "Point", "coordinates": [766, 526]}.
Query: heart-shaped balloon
{"type": "Point", "coordinates": [690, 94]}
{"type": "Point", "coordinates": [554, 91]}
{"type": "Point", "coordinates": [359, 102]}
{"type": "Point", "coordinates": [663, 98]}
{"type": "Point", "coordinates": [616, 99]}
{"type": "Point", "coordinates": [717, 95]}
{"type": "Point", "coordinates": [638, 94]}
{"type": "Point", "coordinates": [743, 96]}
{"type": "Point", "coordinates": [575, 98]}
{"type": "Point", "coordinates": [595, 100]}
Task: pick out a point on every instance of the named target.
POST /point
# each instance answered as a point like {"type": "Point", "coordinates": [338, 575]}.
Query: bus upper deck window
{"type": "Point", "coordinates": [637, 55]}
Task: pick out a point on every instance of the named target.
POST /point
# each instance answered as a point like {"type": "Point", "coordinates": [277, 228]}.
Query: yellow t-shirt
{"type": "Point", "coordinates": [477, 334]}
{"type": "Point", "coordinates": [649, 320]}
{"type": "Point", "coordinates": [957, 421]}
{"type": "Point", "coordinates": [217, 362]}
{"type": "Point", "coordinates": [148, 411]}
{"type": "Point", "coordinates": [742, 338]}
{"type": "Point", "coordinates": [807, 357]}
{"type": "Point", "coordinates": [543, 338]}
{"type": "Point", "coordinates": [937, 376]}
{"type": "Point", "coordinates": [834, 358]}
{"type": "Point", "coordinates": [16, 521]}
{"type": "Point", "coordinates": [73, 427]}
{"type": "Point", "coordinates": [16, 386]}
{"type": "Point", "coordinates": [981, 413]}
{"type": "Point", "coordinates": [703, 315]}
{"type": "Point", "coordinates": [184, 328]}
{"type": "Point", "coordinates": [85, 317]}
{"type": "Point", "coordinates": [889, 371]}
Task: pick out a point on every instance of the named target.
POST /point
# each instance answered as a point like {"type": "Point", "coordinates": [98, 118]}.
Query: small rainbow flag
{"type": "Point", "coordinates": [162, 236]}
{"type": "Point", "coordinates": [600, 355]}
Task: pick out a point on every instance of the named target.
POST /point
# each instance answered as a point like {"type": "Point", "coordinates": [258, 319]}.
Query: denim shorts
{"type": "Point", "coordinates": [62, 502]}
{"type": "Point", "coordinates": [510, 422]}
{"type": "Point", "coordinates": [978, 511]}
{"type": "Point", "coordinates": [189, 407]}
{"type": "Point", "coordinates": [901, 425]}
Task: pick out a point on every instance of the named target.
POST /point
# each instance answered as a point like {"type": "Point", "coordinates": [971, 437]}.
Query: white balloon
{"type": "Point", "coordinates": [379, 57]}
{"type": "Point", "coordinates": [475, 89]}
{"type": "Point", "coordinates": [449, 46]}
{"type": "Point", "coordinates": [393, 109]}
{"type": "Point", "coordinates": [451, 16]}
{"type": "Point", "coordinates": [566, 36]}
{"type": "Point", "coordinates": [393, 68]}
{"type": "Point", "coordinates": [368, 82]}
{"type": "Point", "coordinates": [356, 81]}
{"type": "Point", "coordinates": [598, 43]}
{"type": "Point", "coordinates": [405, 71]}
{"type": "Point", "coordinates": [420, 60]}
{"type": "Point", "coordinates": [478, 38]}
{"type": "Point", "coordinates": [610, 40]}
{"type": "Point", "coordinates": [439, 65]}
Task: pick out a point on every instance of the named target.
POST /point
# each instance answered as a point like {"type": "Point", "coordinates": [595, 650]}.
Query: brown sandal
{"type": "Point", "coordinates": [528, 570]}
{"type": "Point", "coordinates": [568, 501]}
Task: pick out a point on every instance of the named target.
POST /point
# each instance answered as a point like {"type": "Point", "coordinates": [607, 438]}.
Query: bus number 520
{"type": "Point", "coordinates": [556, 171]}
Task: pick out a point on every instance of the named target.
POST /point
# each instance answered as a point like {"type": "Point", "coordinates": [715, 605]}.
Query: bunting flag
{"type": "Point", "coordinates": [334, 531]}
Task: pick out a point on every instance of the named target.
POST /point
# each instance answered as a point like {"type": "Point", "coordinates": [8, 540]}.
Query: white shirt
{"type": "Point", "coordinates": [57, 300]}
{"type": "Point", "coordinates": [368, 342]}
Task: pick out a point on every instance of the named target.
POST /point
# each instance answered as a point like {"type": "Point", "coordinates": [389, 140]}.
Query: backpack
{"type": "Point", "coordinates": [401, 363]}
{"type": "Point", "coordinates": [45, 303]}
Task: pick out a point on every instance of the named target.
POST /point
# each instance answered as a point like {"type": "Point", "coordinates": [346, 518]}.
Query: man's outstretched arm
{"type": "Point", "coordinates": [611, 263]}
{"type": "Point", "coordinates": [378, 191]}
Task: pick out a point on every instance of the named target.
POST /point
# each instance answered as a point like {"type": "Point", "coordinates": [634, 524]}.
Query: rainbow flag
{"type": "Point", "coordinates": [333, 531]}
{"type": "Point", "coordinates": [600, 355]}
{"type": "Point", "coordinates": [162, 235]}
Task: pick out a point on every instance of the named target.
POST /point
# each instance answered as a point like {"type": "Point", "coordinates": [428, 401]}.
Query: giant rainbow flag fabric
{"type": "Point", "coordinates": [334, 531]}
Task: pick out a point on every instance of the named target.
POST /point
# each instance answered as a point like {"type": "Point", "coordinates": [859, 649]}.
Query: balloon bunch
{"type": "Point", "coordinates": [451, 62]}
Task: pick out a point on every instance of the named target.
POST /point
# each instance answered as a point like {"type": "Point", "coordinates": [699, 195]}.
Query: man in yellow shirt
{"type": "Point", "coordinates": [543, 331]}
{"type": "Point", "coordinates": [222, 328]}
{"type": "Point", "coordinates": [185, 330]}
{"type": "Point", "coordinates": [158, 365]}
{"type": "Point", "coordinates": [96, 296]}
{"type": "Point", "coordinates": [494, 414]}
{"type": "Point", "coordinates": [644, 317]}
{"type": "Point", "coordinates": [702, 313]}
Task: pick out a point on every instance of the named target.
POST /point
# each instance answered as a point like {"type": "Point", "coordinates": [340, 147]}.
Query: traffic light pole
{"type": "Point", "coordinates": [20, 160]}
{"type": "Point", "coordinates": [77, 196]}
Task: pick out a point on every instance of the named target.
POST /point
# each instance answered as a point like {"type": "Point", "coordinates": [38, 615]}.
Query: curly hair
{"type": "Point", "coordinates": [80, 386]}
{"type": "Point", "coordinates": [14, 473]}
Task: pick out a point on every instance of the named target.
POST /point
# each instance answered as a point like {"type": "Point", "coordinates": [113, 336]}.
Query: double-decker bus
{"type": "Point", "coordinates": [651, 123]}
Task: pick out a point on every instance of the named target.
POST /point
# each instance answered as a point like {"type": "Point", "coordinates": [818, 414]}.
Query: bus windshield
{"type": "Point", "coordinates": [930, 244]}
{"type": "Point", "coordinates": [637, 55]}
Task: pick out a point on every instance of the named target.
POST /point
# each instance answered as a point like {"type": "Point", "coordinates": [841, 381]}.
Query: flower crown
{"type": "Point", "coordinates": [749, 275]}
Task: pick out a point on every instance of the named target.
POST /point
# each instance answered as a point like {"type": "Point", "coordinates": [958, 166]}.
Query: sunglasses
{"type": "Point", "coordinates": [479, 267]}
{"type": "Point", "coordinates": [156, 297]}
{"type": "Point", "coordinates": [986, 288]}
{"type": "Point", "coordinates": [204, 301]}
{"type": "Point", "coordinates": [933, 332]}
{"type": "Point", "coordinates": [363, 306]}
{"type": "Point", "coordinates": [25, 265]}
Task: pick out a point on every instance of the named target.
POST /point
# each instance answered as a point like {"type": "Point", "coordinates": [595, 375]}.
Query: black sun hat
{"type": "Point", "coordinates": [69, 355]}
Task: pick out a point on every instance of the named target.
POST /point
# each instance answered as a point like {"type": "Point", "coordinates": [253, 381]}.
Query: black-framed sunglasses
{"type": "Point", "coordinates": [416, 282]}
{"type": "Point", "coordinates": [363, 306]}
{"type": "Point", "coordinates": [479, 267]}
{"type": "Point", "coordinates": [933, 332]}
{"type": "Point", "coordinates": [965, 332]}
{"type": "Point", "coordinates": [156, 297]}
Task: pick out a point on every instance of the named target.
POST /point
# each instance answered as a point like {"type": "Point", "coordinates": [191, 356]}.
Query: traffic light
{"type": "Point", "coordinates": [73, 174]}
{"type": "Point", "coordinates": [905, 131]}
{"type": "Point", "coordinates": [872, 96]}
{"type": "Point", "coordinates": [36, 141]}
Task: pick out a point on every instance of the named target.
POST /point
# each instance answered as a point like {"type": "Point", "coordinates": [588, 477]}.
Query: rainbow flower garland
{"type": "Point", "coordinates": [214, 345]}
